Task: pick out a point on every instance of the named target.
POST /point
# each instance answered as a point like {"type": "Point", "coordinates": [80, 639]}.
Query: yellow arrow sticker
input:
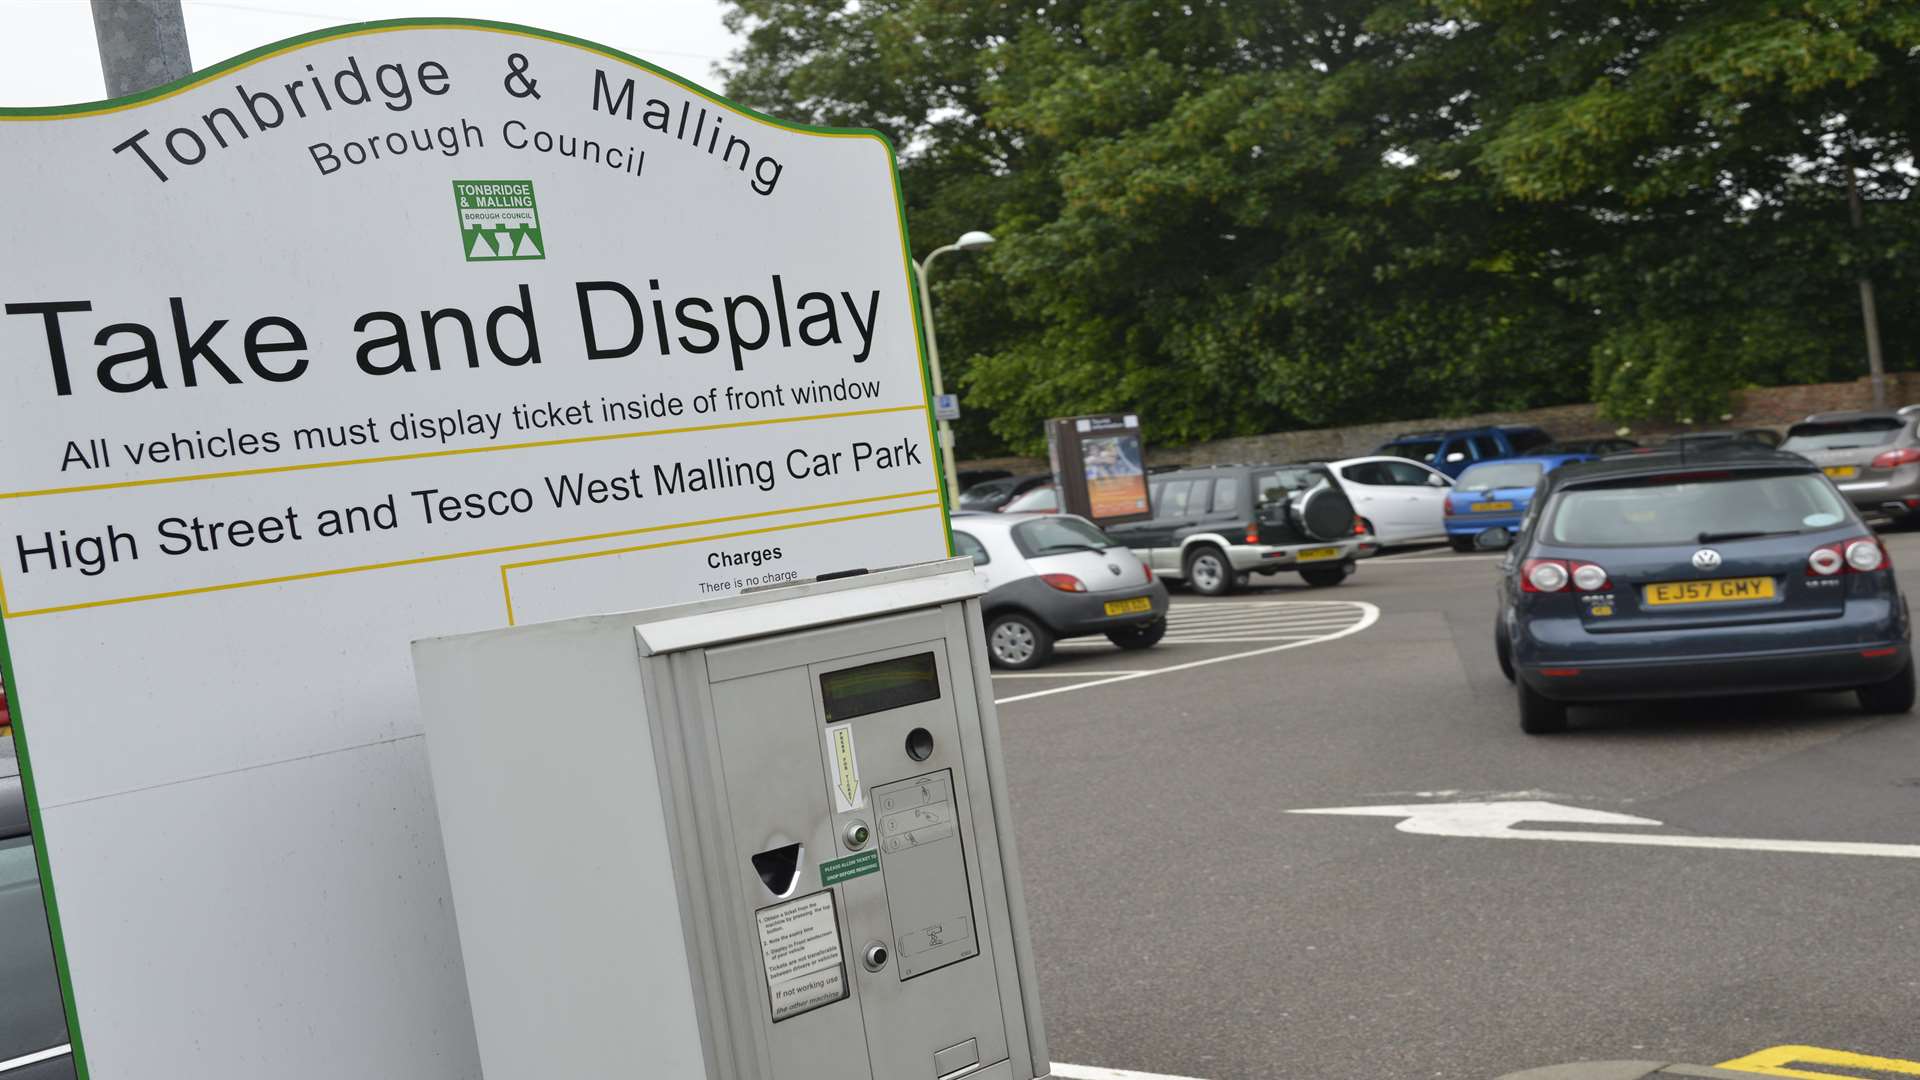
{"type": "Point", "coordinates": [846, 769]}
{"type": "Point", "coordinates": [1777, 1061]}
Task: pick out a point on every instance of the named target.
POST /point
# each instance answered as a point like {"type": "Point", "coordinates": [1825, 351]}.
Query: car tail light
{"type": "Point", "coordinates": [1862, 555]}
{"type": "Point", "coordinates": [1865, 556]}
{"type": "Point", "coordinates": [1893, 459]}
{"type": "Point", "coordinates": [1064, 582]}
{"type": "Point", "coordinates": [1826, 561]}
{"type": "Point", "coordinates": [1589, 578]}
{"type": "Point", "coordinates": [1253, 532]}
{"type": "Point", "coordinates": [1148, 570]}
{"type": "Point", "coordinates": [1544, 575]}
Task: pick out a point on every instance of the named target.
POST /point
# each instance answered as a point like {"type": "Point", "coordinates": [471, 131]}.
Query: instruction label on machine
{"type": "Point", "coordinates": [800, 949]}
{"type": "Point", "coordinates": [846, 769]}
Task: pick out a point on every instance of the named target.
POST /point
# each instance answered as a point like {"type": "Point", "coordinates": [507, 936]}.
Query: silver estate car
{"type": "Point", "coordinates": [1872, 457]}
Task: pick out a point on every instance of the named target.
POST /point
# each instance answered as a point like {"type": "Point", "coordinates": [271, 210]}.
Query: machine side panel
{"type": "Point", "coordinates": [568, 928]}
{"type": "Point", "coordinates": [1029, 971]}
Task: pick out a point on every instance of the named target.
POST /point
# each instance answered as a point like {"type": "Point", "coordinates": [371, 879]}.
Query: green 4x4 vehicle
{"type": "Point", "coordinates": [1215, 527]}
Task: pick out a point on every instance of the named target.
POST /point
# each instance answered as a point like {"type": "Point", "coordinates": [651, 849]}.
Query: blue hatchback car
{"type": "Point", "coordinates": [1496, 495]}
{"type": "Point", "coordinates": [1724, 570]}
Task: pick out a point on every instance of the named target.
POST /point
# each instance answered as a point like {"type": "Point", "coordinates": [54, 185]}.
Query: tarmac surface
{"type": "Point", "coordinates": [1188, 925]}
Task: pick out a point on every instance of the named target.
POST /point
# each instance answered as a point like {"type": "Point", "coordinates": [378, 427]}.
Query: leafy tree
{"type": "Point", "coordinates": [1234, 217]}
{"type": "Point", "coordinates": [1716, 142]}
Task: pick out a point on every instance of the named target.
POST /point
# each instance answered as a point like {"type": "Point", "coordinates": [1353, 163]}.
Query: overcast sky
{"type": "Point", "coordinates": [48, 56]}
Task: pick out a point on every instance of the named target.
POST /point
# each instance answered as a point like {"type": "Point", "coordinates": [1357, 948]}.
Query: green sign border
{"type": "Point", "coordinates": [381, 26]}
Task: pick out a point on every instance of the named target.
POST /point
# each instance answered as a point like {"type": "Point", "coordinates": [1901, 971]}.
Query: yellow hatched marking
{"type": "Point", "coordinates": [1774, 1061]}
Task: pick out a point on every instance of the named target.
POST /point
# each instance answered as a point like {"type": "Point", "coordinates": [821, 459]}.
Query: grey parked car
{"type": "Point", "coordinates": [1872, 457]}
{"type": "Point", "coordinates": [1051, 576]}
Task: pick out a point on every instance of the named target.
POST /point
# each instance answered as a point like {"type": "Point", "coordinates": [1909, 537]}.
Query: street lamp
{"type": "Point", "coordinates": [969, 241]}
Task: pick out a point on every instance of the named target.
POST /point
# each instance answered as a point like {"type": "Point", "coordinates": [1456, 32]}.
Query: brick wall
{"type": "Point", "coordinates": [1771, 407]}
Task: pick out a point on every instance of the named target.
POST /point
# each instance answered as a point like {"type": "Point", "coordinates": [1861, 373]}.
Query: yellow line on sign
{"type": "Point", "coordinates": [501, 550]}
{"type": "Point", "coordinates": [1774, 1061]}
{"type": "Point", "coordinates": [573, 441]}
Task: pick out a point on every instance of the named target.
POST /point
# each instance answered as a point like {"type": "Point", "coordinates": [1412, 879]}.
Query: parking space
{"type": "Point", "coordinates": [1200, 633]}
{"type": "Point", "coordinates": [1725, 878]}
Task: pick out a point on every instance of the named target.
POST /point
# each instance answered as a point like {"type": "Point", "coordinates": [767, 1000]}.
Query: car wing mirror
{"type": "Point", "coordinates": [1494, 539]}
{"type": "Point", "coordinates": [1435, 480]}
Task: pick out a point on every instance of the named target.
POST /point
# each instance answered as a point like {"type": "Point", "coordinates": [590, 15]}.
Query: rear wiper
{"type": "Point", "coordinates": [1070, 547]}
{"type": "Point", "coordinates": [1715, 537]}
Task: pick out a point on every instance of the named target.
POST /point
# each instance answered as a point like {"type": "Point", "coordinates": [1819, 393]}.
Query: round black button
{"type": "Point", "coordinates": [919, 744]}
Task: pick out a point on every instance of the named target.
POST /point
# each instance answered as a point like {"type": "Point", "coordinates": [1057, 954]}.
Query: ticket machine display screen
{"type": "Point", "coordinates": [872, 688]}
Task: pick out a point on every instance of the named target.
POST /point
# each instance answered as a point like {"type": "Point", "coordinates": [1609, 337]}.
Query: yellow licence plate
{"type": "Point", "coordinates": [1842, 472]}
{"type": "Point", "coordinates": [1310, 554]}
{"type": "Point", "coordinates": [1719, 590]}
{"type": "Point", "coordinates": [1490, 507]}
{"type": "Point", "coordinates": [1128, 607]}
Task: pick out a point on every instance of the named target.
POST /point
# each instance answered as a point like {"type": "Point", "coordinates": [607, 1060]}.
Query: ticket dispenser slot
{"type": "Point", "coordinates": [828, 878]}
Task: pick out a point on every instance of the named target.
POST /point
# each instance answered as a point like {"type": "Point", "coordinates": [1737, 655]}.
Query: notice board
{"type": "Point", "coordinates": [390, 331]}
{"type": "Point", "coordinates": [1099, 467]}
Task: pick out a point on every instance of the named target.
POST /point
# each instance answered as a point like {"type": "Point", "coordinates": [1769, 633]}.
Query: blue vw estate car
{"type": "Point", "coordinates": [1725, 569]}
{"type": "Point", "coordinates": [1496, 495]}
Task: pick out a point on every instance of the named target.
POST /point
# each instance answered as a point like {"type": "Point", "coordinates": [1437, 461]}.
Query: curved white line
{"type": "Point", "coordinates": [1369, 615]}
{"type": "Point", "coordinates": [1091, 1072]}
{"type": "Point", "coordinates": [25, 1060]}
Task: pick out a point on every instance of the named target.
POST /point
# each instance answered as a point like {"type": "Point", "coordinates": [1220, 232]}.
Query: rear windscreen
{"type": "Point", "coordinates": [1843, 434]}
{"type": "Point", "coordinates": [1416, 450]}
{"type": "Point", "coordinates": [1055, 535]}
{"type": "Point", "coordinates": [1510, 474]}
{"type": "Point", "coordinates": [1280, 485]}
{"type": "Point", "coordinates": [1687, 511]}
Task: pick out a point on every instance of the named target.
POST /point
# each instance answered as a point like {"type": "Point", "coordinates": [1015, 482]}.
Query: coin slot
{"type": "Point", "coordinates": [778, 868]}
{"type": "Point", "coordinates": [919, 744]}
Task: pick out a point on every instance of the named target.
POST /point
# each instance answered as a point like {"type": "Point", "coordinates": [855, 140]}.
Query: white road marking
{"type": "Point", "coordinates": [1059, 674]}
{"type": "Point", "coordinates": [1091, 1072]}
{"type": "Point", "coordinates": [1235, 640]}
{"type": "Point", "coordinates": [1369, 615]}
{"type": "Point", "coordinates": [48, 1054]}
{"type": "Point", "coordinates": [1496, 821]}
{"type": "Point", "coordinates": [1424, 558]}
{"type": "Point", "coordinates": [1237, 617]}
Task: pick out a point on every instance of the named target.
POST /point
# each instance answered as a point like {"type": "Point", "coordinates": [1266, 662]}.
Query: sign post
{"type": "Point", "coordinates": [391, 331]}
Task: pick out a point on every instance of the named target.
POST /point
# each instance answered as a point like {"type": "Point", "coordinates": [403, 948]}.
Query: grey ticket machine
{"type": "Point", "coordinates": [758, 838]}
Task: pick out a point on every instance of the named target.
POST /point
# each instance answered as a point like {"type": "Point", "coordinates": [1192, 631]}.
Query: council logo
{"type": "Point", "coordinates": [498, 220]}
